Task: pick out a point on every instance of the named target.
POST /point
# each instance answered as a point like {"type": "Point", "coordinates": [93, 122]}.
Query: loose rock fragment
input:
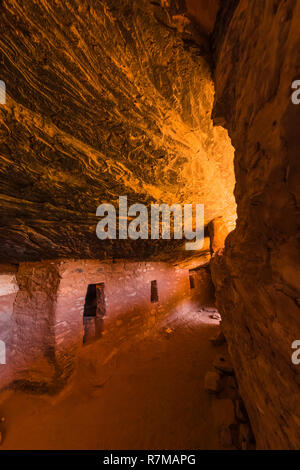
{"type": "Point", "coordinates": [212, 382]}
{"type": "Point", "coordinates": [215, 316]}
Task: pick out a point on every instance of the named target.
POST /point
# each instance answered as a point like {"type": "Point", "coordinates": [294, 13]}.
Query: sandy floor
{"type": "Point", "coordinates": [144, 394]}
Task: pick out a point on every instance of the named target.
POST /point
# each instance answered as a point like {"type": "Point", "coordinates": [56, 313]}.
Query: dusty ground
{"type": "Point", "coordinates": [143, 394]}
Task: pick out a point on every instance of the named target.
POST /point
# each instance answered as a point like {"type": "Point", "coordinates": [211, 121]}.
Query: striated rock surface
{"type": "Point", "coordinates": [257, 278]}
{"type": "Point", "coordinates": [104, 99]}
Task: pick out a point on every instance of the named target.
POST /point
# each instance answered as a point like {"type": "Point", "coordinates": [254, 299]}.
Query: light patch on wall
{"type": "Point", "coordinates": [8, 284]}
{"type": "Point", "coordinates": [2, 92]}
{"type": "Point", "coordinates": [2, 352]}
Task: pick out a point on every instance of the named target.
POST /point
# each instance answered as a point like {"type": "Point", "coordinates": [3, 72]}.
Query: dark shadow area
{"type": "Point", "coordinates": [94, 312]}
{"type": "Point", "coordinates": [154, 292]}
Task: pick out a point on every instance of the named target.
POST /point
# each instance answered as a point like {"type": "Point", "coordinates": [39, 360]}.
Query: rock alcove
{"type": "Point", "coordinates": [149, 99]}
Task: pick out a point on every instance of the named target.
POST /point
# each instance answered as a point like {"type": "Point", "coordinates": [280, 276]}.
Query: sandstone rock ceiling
{"type": "Point", "coordinates": [104, 98]}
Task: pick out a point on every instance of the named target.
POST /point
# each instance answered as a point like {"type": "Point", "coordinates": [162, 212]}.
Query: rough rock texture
{"type": "Point", "coordinates": [103, 99]}
{"type": "Point", "coordinates": [203, 285]}
{"type": "Point", "coordinates": [32, 355]}
{"type": "Point", "coordinates": [204, 12]}
{"type": "Point", "coordinates": [218, 231]}
{"type": "Point", "coordinates": [8, 291]}
{"type": "Point", "coordinates": [257, 279]}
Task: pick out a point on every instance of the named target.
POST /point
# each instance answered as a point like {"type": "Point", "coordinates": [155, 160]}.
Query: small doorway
{"type": "Point", "coordinates": [154, 292]}
{"type": "Point", "coordinates": [192, 280]}
{"type": "Point", "coordinates": [94, 312]}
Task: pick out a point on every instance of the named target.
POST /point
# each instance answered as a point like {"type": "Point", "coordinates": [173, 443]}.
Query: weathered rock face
{"type": "Point", "coordinates": [8, 291]}
{"type": "Point", "coordinates": [104, 99]}
{"type": "Point", "coordinates": [204, 12]}
{"type": "Point", "coordinates": [257, 279]}
{"type": "Point", "coordinates": [218, 231]}
{"type": "Point", "coordinates": [31, 353]}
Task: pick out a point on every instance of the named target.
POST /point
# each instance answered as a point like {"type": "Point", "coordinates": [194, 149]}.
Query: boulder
{"type": "Point", "coordinates": [212, 382]}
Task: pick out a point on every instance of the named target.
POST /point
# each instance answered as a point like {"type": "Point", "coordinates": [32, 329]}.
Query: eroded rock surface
{"type": "Point", "coordinates": [218, 231]}
{"type": "Point", "coordinates": [104, 99]}
{"type": "Point", "coordinates": [257, 279]}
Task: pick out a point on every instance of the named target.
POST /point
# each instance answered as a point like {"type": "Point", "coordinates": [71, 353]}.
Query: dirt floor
{"type": "Point", "coordinates": [147, 393]}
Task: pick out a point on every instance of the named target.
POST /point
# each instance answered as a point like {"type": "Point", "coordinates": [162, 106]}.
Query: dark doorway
{"type": "Point", "coordinates": [154, 292]}
{"type": "Point", "coordinates": [94, 312]}
{"type": "Point", "coordinates": [192, 282]}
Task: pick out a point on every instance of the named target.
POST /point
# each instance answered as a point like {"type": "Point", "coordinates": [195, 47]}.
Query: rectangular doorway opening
{"type": "Point", "coordinates": [94, 312]}
{"type": "Point", "coordinates": [192, 281]}
{"type": "Point", "coordinates": [154, 292]}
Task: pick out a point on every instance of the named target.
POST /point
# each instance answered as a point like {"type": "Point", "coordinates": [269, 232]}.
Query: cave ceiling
{"type": "Point", "coordinates": [104, 98]}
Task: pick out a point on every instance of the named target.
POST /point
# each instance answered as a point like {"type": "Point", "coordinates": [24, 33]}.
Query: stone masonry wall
{"type": "Point", "coordinates": [47, 322]}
